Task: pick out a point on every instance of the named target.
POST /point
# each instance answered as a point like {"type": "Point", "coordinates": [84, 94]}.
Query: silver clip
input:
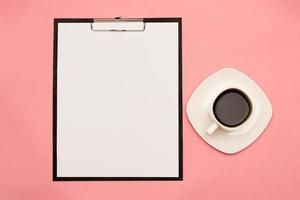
{"type": "Point", "coordinates": [118, 24]}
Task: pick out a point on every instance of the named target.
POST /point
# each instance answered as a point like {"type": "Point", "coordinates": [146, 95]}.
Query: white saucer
{"type": "Point", "coordinates": [237, 140]}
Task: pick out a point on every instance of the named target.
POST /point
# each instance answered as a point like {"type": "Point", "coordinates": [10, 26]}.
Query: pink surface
{"type": "Point", "coordinates": [260, 38]}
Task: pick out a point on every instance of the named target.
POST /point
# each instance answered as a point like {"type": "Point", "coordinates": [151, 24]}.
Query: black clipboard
{"type": "Point", "coordinates": [56, 111]}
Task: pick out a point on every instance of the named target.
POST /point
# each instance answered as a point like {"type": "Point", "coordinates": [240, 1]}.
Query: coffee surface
{"type": "Point", "coordinates": [232, 107]}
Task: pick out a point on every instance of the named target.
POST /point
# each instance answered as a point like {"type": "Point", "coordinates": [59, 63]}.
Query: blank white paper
{"type": "Point", "coordinates": [117, 102]}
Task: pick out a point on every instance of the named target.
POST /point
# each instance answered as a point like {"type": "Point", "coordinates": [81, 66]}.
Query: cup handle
{"type": "Point", "coordinates": [212, 128]}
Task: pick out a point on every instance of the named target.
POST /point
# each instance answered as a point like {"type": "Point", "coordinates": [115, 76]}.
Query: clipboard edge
{"type": "Point", "coordinates": [90, 20]}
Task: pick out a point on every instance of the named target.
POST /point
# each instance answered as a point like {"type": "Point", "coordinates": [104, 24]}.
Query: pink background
{"type": "Point", "coordinates": [259, 37]}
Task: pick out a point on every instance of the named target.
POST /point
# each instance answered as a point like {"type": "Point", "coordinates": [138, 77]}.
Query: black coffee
{"type": "Point", "coordinates": [232, 107]}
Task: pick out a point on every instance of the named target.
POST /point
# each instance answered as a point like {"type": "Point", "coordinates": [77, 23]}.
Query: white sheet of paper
{"type": "Point", "coordinates": [117, 102]}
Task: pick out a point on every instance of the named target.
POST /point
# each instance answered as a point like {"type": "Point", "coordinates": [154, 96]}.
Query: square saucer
{"type": "Point", "coordinates": [222, 140]}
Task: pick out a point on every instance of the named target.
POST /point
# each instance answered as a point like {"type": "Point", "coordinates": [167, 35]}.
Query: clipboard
{"type": "Point", "coordinates": [117, 99]}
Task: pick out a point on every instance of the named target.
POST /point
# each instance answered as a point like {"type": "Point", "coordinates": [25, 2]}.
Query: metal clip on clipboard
{"type": "Point", "coordinates": [118, 24]}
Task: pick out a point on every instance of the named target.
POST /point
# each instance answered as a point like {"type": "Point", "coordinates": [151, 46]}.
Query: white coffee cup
{"type": "Point", "coordinates": [240, 94]}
